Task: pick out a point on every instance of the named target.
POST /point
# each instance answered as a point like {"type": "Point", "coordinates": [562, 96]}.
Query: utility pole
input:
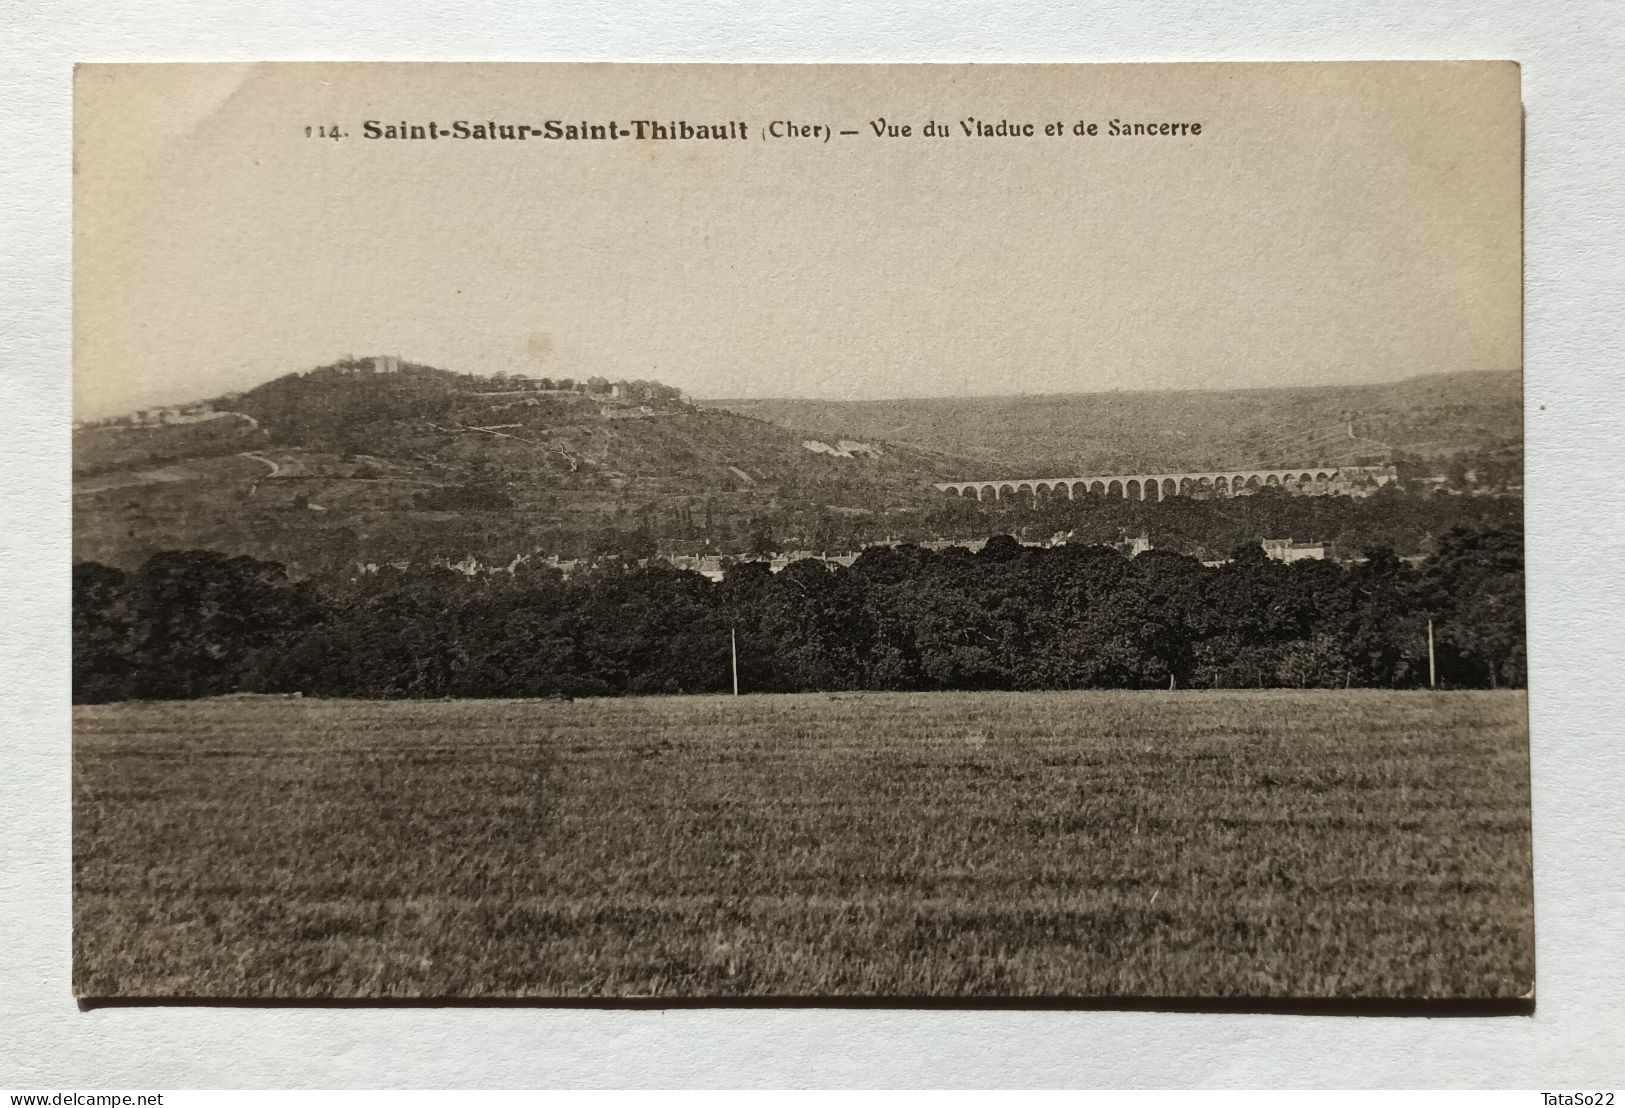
{"type": "Point", "coordinates": [1433, 673]}
{"type": "Point", "coordinates": [733, 649]}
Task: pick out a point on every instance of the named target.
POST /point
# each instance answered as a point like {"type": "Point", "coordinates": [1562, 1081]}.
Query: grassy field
{"type": "Point", "coordinates": [1029, 844]}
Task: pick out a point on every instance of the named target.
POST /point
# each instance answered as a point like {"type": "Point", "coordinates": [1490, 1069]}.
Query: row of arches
{"type": "Point", "coordinates": [1135, 488]}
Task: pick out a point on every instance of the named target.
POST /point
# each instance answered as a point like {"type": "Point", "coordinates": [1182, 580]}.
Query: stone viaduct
{"type": "Point", "coordinates": [1148, 486]}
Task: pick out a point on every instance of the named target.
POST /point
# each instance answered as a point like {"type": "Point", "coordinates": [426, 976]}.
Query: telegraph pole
{"type": "Point", "coordinates": [1433, 673]}
{"type": "Point", "coordinates": [733, 650]}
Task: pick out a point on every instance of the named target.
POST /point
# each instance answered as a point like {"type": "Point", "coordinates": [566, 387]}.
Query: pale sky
{"type": "Point", "coordinates": [1332, 224]}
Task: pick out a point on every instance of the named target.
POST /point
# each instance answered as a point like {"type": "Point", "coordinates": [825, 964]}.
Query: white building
{"type": "Point", "coordinates": [1285, 550]}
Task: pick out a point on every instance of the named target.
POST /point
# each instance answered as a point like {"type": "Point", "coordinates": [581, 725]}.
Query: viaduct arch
{"type": "Point", "coordinates": [1145, 486]}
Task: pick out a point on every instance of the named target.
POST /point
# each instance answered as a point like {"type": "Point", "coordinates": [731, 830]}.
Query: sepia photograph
{"type": "Point", "coordinates": [628, 532]}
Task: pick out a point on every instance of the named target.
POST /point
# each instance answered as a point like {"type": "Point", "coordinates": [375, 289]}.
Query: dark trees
{"type": "Point", "coordinates": [185, 624]}
{"type": "Point", "coordinates": [1473, 589]}
{"type": "Point", "coordinates": [1008, 617]}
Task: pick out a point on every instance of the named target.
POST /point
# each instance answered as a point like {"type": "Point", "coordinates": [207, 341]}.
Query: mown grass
{"type": "Point", "coordinates": [1017, 845]}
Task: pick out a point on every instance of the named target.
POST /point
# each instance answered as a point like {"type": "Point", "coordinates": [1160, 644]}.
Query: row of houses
{"type": "Point", "coordinates": [636, 391]}
{"type": "Point", "coordinates": [173, 415]}
{"type": "Point", "coordinates": [716, 566]}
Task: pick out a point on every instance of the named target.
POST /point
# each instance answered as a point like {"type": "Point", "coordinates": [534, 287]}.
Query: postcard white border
{"type": "Point", "coordinates": [1574, 409]}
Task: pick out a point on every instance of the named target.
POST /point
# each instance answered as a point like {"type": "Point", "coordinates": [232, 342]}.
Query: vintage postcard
{"type": "Point", "coordinates": [721, 531]}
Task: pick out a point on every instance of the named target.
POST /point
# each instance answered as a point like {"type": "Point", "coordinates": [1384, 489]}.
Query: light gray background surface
{"type": "Point", "coordinates": [1574, 95]}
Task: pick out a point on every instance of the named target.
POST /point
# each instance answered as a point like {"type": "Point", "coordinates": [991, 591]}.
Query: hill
{"type": "Point", "coordinates": [349, 463]}
{"type": "Point", "coordinates": [377, 462]}
{"type": "Point", "coordinates": [1127, 432]}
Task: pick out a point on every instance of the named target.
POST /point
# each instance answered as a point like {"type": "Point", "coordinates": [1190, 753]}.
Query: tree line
{"type": "Point", "coordinates": [199, 623]}
{"type": "Point", "coordinates": [1409, 521]}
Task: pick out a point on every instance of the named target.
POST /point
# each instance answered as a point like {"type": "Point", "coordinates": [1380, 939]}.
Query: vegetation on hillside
{"type": "Point", "coordinates": [111, 447]}
{"type": "Point", "coordinates": [422, 464]}
{"type": "Point", "coordinates": [1162, 432]}
{"type": "Point", "coordinates": [342, 467]}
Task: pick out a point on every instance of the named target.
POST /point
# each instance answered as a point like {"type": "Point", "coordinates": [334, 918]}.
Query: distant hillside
{"type": "Point", "coordinates": [1112, 432]}
{"type": "Point", "coordinates": [350, 463]}
{"type": "Point", "coordinates": [375, 461]}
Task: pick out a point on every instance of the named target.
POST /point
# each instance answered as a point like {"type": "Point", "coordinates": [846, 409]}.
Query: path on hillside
{"type": "Point", "coordinates": [258, 457]}
{"type": "Point", "coordinates": [575, 462]}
